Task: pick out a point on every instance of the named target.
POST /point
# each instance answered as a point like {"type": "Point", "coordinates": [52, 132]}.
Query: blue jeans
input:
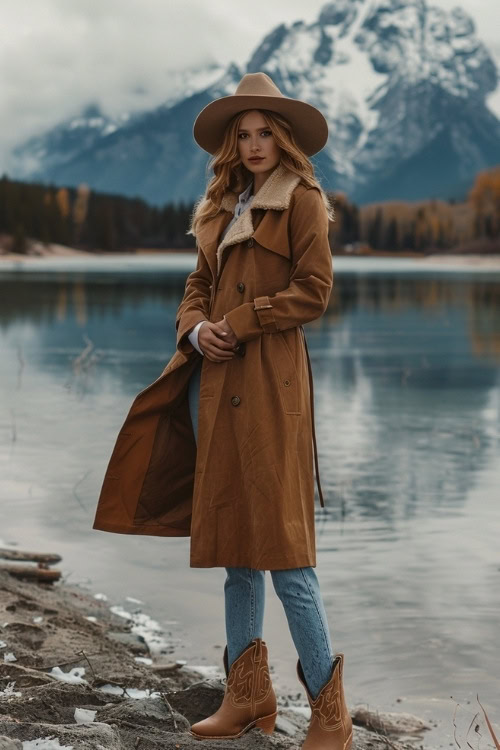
{"type": "Point", "coordinates": [298, 590]}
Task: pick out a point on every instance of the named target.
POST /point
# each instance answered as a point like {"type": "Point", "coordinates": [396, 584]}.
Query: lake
{"type": "Point", "coordinates": [406, 365]}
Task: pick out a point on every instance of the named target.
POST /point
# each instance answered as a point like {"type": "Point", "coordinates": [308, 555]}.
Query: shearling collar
{"type": "Point", "coordinates": [275, 193]}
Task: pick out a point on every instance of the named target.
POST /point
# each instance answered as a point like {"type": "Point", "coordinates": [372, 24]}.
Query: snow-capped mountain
{"type": "Point", "coordinates": [404, 87]}
{"type": "Point", "coordinates": [63, 144]}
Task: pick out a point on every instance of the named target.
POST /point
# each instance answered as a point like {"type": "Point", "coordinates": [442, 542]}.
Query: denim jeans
{"type": "Point", "coordinates": [298, 590]}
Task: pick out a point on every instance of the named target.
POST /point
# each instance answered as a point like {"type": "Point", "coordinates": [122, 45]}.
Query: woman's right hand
{"type": "Point", "coordinates": [213, 344]}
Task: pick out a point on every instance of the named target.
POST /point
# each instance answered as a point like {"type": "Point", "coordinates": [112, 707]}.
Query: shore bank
{"type": "Point", "coordinates": [78, 672]}
{"type": "Point", "coordinates": [40, 252]}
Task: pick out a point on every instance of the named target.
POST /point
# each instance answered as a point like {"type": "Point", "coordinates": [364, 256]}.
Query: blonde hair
{"type": "Point", "coordinates": [231, 174]}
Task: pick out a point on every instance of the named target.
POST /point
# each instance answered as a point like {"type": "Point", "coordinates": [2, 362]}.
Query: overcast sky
{"type": "Point", "coordinates": [57, 55]}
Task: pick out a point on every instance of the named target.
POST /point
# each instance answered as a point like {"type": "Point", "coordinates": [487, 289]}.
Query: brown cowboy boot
{"type": "Point", "coordinates": [249, 700]}
{"type": "Point", "coordinates": [330, 727]}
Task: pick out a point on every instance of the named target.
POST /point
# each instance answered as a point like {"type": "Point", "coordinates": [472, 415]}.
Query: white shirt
{"type": "Point", "coordinates": [244, 201]}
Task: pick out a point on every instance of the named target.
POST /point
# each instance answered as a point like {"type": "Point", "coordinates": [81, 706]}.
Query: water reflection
{"type": "Point", "coordinates": [407, 394]}
{"type": "Point", "coordinates": [81, 300]}
{"type": "Point", "coordinates": [403, 367]}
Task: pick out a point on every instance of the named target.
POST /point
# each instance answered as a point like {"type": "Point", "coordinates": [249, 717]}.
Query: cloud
{"type": "Point", "coordinates": [59, 55]}
{"type": "Point", "coordinates": [56, 56]}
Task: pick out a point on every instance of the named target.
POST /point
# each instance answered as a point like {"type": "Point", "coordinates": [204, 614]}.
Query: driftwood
{"type": "Point", "coordinates": [19, 555]}
{"type": "Point", "coordinates": [163, 670]}
{"type": "Point", "coordinates": [32, 572]}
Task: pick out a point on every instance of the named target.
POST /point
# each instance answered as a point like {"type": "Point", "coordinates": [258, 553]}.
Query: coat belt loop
{"type": "Point", "coordinates": [311, 392]}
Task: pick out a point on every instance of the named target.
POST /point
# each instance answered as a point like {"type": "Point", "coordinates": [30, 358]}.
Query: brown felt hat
{"type": "Point", "coordinates": [258, 91]}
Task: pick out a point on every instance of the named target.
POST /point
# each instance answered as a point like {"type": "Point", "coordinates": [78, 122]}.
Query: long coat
{"type": "Point", "coordinates": [245, 491]}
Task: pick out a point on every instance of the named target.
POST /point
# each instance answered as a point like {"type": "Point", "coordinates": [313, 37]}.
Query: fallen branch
{"type": "Point", "coordinates": [169, 707]}
{"type": "Point", "coordinates": [40, 574]}
{"type": "Point", "coordinates": [19, 555]}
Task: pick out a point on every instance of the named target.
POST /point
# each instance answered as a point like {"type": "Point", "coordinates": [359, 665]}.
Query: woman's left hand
{"type": "Point", "coordinates": [230, 336]}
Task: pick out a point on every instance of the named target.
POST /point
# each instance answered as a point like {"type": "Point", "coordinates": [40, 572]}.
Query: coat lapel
{"type": "Point", "coordinates": [208, 236]}
{"type": "Point", "coordinates": [275, 194]}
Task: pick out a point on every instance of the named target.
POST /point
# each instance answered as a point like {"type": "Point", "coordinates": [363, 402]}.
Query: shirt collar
{"type": "Point", "coordinates": [246, 193]}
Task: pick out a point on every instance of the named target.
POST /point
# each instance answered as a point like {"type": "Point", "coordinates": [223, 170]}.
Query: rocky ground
{"type": "Point", "coordinates": [75, 673]}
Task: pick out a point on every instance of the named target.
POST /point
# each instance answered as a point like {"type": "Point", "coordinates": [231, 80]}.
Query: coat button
{"type": "Point", "coordinates": [240, 286]}
{"type": "Point", "coordinates": [250, 242]}
{"type": "Point", "coordinates": [286, 382]}
{"type": "Point", "coordinates": [235, 400]}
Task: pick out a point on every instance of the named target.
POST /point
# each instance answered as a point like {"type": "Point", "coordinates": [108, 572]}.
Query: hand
{"type": "Point", "coordinates": [212, 340]}
{"type": "Point", "coordinates": [226, 329]}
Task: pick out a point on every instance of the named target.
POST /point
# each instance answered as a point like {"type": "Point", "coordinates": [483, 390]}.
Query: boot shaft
{"type": "Point", "coordinates": [331, 724]}
{"type": "Point", "coordinates": [248, 679]}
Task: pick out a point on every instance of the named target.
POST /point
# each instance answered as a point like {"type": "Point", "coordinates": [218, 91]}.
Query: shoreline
{"type": "Point", "coordinates": [79, 672]}
{"type": "Point", "coordinates": [181, 262]}
{"type": "Point", "coordinates": [40, 253]}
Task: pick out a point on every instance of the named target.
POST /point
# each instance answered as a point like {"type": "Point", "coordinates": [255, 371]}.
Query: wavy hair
{"type": "Point", "coordinates": [231, 174]}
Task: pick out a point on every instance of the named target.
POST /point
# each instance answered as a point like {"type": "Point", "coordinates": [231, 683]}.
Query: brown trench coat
{"type": "Point", "coordinates": [245, 495]}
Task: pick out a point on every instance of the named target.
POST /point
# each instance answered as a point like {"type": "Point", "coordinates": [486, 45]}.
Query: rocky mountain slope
{"type": "Point", "coordinates": [404, 86]}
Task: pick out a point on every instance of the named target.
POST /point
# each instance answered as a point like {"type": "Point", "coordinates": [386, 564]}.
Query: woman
{"type": "Point", "coordinates": [220, 446]}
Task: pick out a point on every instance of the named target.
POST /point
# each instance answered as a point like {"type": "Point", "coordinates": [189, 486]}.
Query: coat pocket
{"type": "Point", "coordinates": [286, 373]}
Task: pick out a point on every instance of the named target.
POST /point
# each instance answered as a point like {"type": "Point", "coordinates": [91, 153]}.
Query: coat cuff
{"type": "Point", "coordinates": [251, 319]}
{"type": "Point", "coordinates": [265, 313]}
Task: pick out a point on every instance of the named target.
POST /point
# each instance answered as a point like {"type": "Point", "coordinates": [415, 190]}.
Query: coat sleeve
{"type": "Point", "coordinates": [195, 303]}
{"type": "Point", "coordinates": [311, 277]}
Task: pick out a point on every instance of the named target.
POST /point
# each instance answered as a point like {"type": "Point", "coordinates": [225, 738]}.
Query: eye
{"type": "Point", "coordinates": [269, 132]}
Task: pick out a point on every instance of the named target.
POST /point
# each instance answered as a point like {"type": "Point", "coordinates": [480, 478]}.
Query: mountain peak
{"type": "Point", "coordinates": [341, 11]}
{"type": "Point", "coordinates": [403, 85]}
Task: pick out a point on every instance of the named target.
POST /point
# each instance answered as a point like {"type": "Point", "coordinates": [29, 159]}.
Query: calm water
{"type": "Point", "coordinates": [407, 392]}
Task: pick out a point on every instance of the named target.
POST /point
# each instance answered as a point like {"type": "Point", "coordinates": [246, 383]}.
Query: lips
{"type": "Point", "coordinates": [256, 158]}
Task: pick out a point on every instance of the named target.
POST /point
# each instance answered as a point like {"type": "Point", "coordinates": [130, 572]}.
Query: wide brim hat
{"type": "Point", "coordinates": [258, 91]}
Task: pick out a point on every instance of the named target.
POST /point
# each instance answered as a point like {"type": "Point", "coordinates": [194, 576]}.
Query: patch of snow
{"type": "Point", "coordinates": [2, 644]}
{"type": "Point", "coordinates": [10, 656]}
{"type": "Point", "coordinates": [38, 619]}
{"type": "Point", "coordinates": [84, 715]}
{"type": "Point", "coordinates": [102, 597]}
{"type": "Point", "coordinates": [139, 694]}
{"type": "Point", "coordinates": [74, 676]}
{"type": "Point", "coordinates": [134, 601]}
{"type": "Point", "coordinates": [185, 83]}
{"type": "Point", "coordinates": [9, 691]}
{"type": "Point", "coordinates": [86, 122]}
{"type": "Point", "coordinates": [91, 618]}
{"type": "Point", "coordinates": [111, 689]}
{"type": "Point", "coordinates": [121, 612]}
{"type": "Point", "coordinates": [143, 660]}
{"type": "Point", "coordinates": [144, 626]}
{"type": "Point", "coordinates": [45, 743]}
{"type": "Point", "coordinates": [131, 692]}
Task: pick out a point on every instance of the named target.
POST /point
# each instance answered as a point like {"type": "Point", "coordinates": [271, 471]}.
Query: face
{"type": "Point", "coordinates": [255, 139]}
